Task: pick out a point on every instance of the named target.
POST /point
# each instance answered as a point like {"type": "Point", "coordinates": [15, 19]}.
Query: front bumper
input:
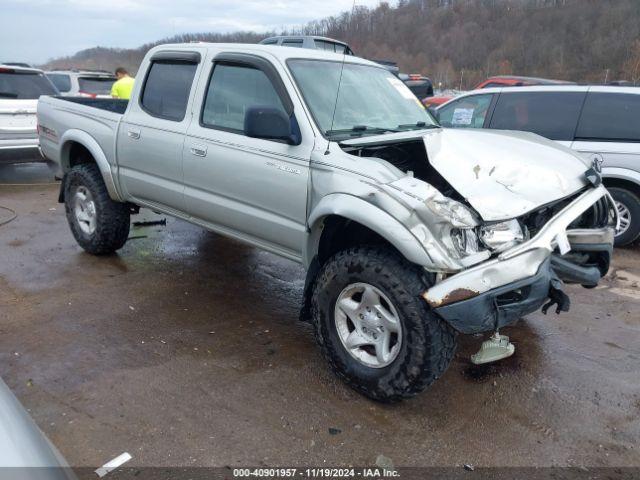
{"type": "Point", "coordinates": [501, 306]}
{"type": "Point", "coordinates": [520, 280]}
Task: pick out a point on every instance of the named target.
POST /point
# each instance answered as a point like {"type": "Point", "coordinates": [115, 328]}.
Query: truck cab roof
{"type": "Point", "coordinates": [281, 53]}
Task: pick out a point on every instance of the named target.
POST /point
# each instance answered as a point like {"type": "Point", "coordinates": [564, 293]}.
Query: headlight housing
{"type": "Point", "coordinates": [454, 212]}
{"type": "Point", "coordinates": [465, 241]}
{"type": "Point", "coordinates": [501, 236]}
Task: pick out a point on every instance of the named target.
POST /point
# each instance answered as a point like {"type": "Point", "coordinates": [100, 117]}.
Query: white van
{"type": "Point", "coordinates": [602, 122]}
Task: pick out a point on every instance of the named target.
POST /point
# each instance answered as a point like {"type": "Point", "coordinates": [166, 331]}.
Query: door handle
{"type": "Point", "coordinates": [198, 150]}
{"type": "Point", "coordinates": [135, 134]}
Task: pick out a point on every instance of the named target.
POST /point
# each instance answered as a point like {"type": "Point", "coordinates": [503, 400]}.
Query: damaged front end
{"type": "Point", "coordinates": [504, 229]}
{"type": "Point", "coordinates": [574, 245]}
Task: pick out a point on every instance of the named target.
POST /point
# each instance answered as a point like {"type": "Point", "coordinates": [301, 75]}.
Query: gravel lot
{"type": "Point", "coordinates": [185, 350]}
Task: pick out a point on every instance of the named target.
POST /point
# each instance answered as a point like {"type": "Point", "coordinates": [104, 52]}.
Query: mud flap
{"type": "Point", "coordinates": [312, 273]}
{"type": "Point", "coordinates": [557, 296]}
{"type": "Point", "coordinates": [63, 183]}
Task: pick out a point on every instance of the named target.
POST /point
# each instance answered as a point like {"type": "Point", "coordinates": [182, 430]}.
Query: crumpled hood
{"type": "Point", "coordinates": [504, 174]}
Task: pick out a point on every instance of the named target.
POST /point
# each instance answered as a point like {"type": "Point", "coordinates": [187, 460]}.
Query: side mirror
{"type": "Point", "coordinates": [271, 124]}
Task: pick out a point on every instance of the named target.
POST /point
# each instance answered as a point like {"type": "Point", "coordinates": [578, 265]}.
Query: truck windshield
{"type": "Point", "coordinates": [371, 100]}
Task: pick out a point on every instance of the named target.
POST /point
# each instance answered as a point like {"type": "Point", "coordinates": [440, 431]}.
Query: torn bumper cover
{"type": "Point", "coordinates": [522, 279]}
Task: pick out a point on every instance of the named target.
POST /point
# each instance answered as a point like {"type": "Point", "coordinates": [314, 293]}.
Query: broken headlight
{"type": "Point", "coordinates": [501, 236]}
{"type": "Point", "coordinates": [465, 241]}
{"type": "Point", "coordinates": [455, 212]}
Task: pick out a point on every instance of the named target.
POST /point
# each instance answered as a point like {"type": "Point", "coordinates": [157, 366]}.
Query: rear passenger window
{"type": "Point", "coordinates": [166, 90]}
{"type": "Point", "coordinates": [61, 81]}
{"type": "Point", "coordinates": [610, 117]}
{"type": "Point", "coordinates": [329, 46]}
{"type": "Point", "coordinates": [551, 114]}
{"type": "Point", "coordinates": [292, 43]}
{"type": "Point", "coordinates": [232, 90]}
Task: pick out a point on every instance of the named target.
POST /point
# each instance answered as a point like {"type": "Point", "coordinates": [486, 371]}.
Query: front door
{"type": "Point", "coordinates": [253, 188]}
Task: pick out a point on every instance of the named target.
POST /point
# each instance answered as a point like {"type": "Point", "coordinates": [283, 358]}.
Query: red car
{"type": "Point", "coordinates": [497, 81]}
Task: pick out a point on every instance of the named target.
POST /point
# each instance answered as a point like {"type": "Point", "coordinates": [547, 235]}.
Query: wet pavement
{"type": "Point", "coordinates": [185, 350]}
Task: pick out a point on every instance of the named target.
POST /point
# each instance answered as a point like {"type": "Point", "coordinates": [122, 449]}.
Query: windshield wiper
{"type": "Point", "coordinates": [359, 130]}
{"type": "Point", "coordinates": [418, 126]}
{"type": "Point", "coordinates": [8, 95]}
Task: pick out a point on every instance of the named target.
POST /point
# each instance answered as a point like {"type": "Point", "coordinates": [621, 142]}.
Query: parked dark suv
{"type": "Point", "coordinates": [602, 122]}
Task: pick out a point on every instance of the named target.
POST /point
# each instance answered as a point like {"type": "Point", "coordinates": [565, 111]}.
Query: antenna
{"type": "Point", "coordinates": [335, 104]}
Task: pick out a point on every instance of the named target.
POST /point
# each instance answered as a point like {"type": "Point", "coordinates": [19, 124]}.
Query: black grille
{"type": "Point", "coordinates": [537, 219]}
{"type": "Point", "coordinates": [599, 215]}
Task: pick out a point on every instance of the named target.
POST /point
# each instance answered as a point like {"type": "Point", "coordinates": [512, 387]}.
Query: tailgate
{"type": "Point", "coordinates": [17, 118]}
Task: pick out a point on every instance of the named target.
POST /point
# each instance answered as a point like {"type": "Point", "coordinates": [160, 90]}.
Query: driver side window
{"type": "Point", "coordinates": [467, 112]}
{"type": "Point", "coordinates": [232, 90]}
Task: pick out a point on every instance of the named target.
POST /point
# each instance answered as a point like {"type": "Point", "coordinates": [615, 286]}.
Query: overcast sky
{"type": "Point", "coordinates": [34, 31]}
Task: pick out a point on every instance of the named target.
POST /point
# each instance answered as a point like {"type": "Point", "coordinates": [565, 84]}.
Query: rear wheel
{"type": "Point", "coordinates": [375, 331]}
{"type": "Point", "coordinates": [99, 225]}
{"type": "Point", "coordinates": [628, 205]}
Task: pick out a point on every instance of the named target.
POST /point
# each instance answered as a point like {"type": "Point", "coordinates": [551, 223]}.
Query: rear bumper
{"type": "Point", "coordinates": [23, 150]}
{"type": "Point", "coordinates": [520, 280]}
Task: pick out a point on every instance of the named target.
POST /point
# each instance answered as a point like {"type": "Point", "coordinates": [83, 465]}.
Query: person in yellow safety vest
{"type": "Point", "coordinates": [123, 86]}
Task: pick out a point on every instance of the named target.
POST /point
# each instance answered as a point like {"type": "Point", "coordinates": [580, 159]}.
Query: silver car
{"type": "Point", "coordinates": [25, 453]}
{"type": "Point", "coordinates": [83, 83]}
{"type": "Point", "coordinates": [601, 122]}
{"type": "Point", "coordinates": [20, 88]}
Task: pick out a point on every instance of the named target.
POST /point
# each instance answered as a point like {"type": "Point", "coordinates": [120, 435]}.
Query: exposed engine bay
{"type": "Point", "coordinates": [408, 156]}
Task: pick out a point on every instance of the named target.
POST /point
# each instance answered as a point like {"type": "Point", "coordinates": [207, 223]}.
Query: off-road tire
{"type": "Point", "coordinates": [112, 218]}
{"type": "Point", "coordinates": [428, 343]}
{"type": "Point", "coordinates": [632, 202]}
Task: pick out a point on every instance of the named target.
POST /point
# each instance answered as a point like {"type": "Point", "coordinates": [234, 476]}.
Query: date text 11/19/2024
{"type": "Point", "coordinates": [276, 473]}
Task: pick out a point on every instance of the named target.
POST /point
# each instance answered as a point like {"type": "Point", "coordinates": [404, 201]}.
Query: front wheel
{"type": "Point", "coordinates": [374, 329]}
{"type": "Point", "coordinates": [628, 205]}
{"type": "Point", "coordinates": [99, 224]}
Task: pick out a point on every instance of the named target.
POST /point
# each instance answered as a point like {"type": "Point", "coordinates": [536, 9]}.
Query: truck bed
{"type": "Point", "coordinates": [114, 105]}
{"type": "Point", "coordinates": [81, 119]}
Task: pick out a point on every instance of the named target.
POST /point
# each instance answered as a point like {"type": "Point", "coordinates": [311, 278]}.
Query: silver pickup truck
{"type": "Point", "coordinates": [410, 234]}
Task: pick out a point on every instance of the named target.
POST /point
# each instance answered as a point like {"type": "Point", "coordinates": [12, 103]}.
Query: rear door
{"type": "Point", "coordinates": [550, 113]}
{"type": "Point", "coordinates": [609, 128]}
{"type": "Point", "coordinates": [151, 135]}
{"type": "Point", "coordinates": [609, 132]}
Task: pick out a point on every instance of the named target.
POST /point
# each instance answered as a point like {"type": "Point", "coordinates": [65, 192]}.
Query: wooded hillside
{"type": "Point", "coordinates": [455, 41]}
